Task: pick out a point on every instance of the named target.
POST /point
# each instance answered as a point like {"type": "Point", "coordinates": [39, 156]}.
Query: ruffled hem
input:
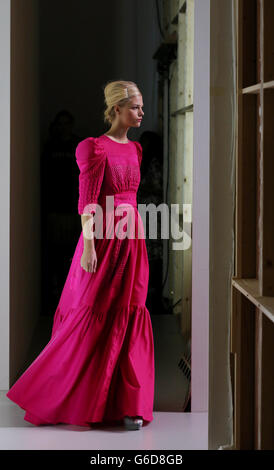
{"type": "Point", "coordinates": [37, 421]}
{"type": "Point", "coordinates": [92, 370]}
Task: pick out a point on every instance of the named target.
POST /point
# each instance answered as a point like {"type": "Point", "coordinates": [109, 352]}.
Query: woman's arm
{"type": "Point", "coordinates": [87, 223]}
{"type": "Point", "coordinates": [91, 160]}
{"type": "Point", "coordinates": [89, 257]}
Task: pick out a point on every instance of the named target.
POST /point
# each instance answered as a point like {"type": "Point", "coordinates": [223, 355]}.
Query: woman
{"type": "Point", "coordinates": [99, 363]}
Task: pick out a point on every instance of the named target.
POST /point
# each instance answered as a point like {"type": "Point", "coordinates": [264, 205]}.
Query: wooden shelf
{"type": "Point", "coordinates": [252, 89]}
{"type": "Point", "coordinates": [252, 286]}
{"type": "Point", "coordinates": [250, 289]}
{"type": "Point", "coordinates": [255, 89]}
{"type": "Point", "coordinates": [268, 84]}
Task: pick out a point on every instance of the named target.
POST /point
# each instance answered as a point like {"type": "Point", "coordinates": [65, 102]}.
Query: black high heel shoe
{"type": "Point", "coordinates": [132, 424]}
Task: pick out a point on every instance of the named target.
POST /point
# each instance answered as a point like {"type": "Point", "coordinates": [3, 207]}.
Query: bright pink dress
{"type": "Point", "coordinates": [99, 363]}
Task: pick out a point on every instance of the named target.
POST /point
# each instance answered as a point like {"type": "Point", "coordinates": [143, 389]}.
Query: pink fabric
{"type": "Point", "coordinates": [99, 363]}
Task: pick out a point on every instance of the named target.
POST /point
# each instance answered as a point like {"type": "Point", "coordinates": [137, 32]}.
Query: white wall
{"type": "Point", "coordinates": [213, 212]}
{"type": "Point", "coordinates": [222, 205]}
{"type": "Point", "coordinates": [4, 190]}
{"type": "Point", "coordinates": [201, 208]}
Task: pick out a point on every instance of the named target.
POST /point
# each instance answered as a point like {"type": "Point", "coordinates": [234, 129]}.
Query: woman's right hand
{"type": "Point", "coordinates": [89, 260]}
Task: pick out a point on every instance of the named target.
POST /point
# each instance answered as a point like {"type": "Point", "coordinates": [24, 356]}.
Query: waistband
{"type": "Point", "coordinates": [125, 197]}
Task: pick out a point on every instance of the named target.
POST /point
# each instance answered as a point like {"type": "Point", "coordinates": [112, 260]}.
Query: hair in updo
{"type": "Point", "coordinates": [118, 92]}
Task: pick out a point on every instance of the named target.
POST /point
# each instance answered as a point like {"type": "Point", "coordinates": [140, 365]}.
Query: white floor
{"type": "Point", "coordinates": [177, 431]}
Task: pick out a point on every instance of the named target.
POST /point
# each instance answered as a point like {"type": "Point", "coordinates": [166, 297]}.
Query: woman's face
{"type": "Point", "coordinates": [132, 113]}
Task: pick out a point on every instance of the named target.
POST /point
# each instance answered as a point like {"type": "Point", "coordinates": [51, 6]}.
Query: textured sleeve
{"type": "Point", "coordinates": [91, 160]}
{"type": "Point", "coordinates": [139, 151]}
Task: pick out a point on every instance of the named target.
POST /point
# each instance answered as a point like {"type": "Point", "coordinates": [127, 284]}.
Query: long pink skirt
{"type": "Point", "coordinates": [99, 363]}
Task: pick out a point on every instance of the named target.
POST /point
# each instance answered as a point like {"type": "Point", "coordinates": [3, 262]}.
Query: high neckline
{"type": "Point", "coordinates": [115, 141]}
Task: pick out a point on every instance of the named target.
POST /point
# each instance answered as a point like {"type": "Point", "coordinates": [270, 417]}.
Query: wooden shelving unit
{"type": "Point", "coordinates": [252, 288]}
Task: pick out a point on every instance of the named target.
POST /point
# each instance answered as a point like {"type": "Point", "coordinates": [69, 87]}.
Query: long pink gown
{"type": "Point", "coordinates": [99, 363]}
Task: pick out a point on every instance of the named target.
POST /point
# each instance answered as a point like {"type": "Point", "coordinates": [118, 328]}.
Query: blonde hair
{"type": "Point", "coordinates": [118, 92]}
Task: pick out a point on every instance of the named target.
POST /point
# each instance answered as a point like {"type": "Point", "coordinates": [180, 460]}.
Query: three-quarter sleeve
{"type": "Point", "coordinates": [91, 160]}
{"type": "Point", "coordinates": [139, 151]}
